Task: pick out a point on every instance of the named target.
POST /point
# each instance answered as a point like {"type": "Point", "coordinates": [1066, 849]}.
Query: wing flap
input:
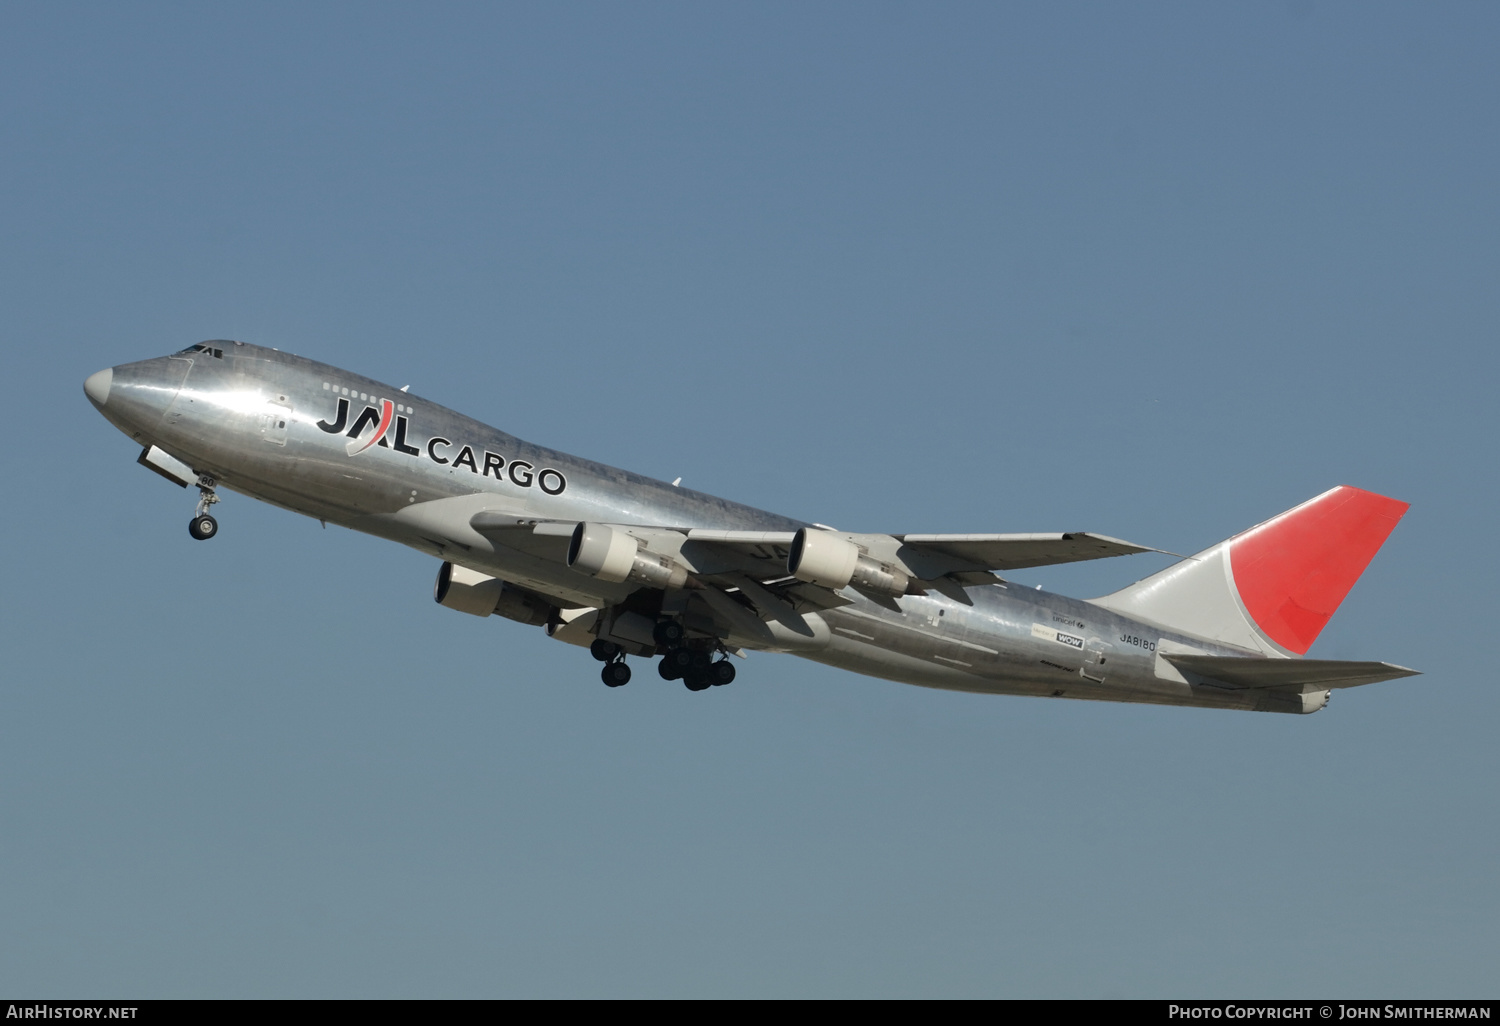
{"type": "Point", "coordinates": [741, 538]}
{"type": "Point", "coordinates": [771, 605]}
{"type": "Point", "coordinates": [757, 558]}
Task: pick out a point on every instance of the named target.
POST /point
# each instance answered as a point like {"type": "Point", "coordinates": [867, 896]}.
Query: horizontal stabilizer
{"type": "Point", "coordinates": [1307, 674]}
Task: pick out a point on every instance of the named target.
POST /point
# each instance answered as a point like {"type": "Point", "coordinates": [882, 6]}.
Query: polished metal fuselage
{"type": "Point", "coordinates": [267, 424]}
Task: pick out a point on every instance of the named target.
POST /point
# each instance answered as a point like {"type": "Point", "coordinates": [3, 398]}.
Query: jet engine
{"type": "Point", "coordinates": [472, 592]}
{"type": "Point", "coordinates": [819, 557]}
{"type": "Point", "coordinates": [615, 556]}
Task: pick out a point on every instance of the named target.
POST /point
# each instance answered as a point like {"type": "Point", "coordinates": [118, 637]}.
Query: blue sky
{"type": "Point", "coordinates": [1155, 270]}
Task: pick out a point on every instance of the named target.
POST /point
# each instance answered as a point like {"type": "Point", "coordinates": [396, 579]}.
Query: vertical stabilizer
{"type": "Point", "coordinates": [1272, 588]}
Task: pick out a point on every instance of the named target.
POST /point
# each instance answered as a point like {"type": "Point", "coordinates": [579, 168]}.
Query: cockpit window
{"type": "Point", "coordinates": [204, 347]}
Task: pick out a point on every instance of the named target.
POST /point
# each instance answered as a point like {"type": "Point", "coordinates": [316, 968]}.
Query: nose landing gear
{"type": "Point", "coordinates": [203, 526]}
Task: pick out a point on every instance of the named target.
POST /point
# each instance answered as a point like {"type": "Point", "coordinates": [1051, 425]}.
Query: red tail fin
{"type": "Point", "coordinates": [1270, 589]}
{"type": "Point", "coordinates": [1293, 570]}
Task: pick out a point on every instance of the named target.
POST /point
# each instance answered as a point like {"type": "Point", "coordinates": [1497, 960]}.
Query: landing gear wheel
{"type": "Point", "coordinates": [668, 633]}
{"type": "Point", "coordinates": [721, 673]}
{"type": "Point", "coordinates": [700, 661]}
{"type": "Point", "coordinates": [203, 526]}
{"type": "Point", "coordinates": [680, 660]}
{"type": "Point", "coordinates": [697, 681]}
{"type": "Point", "coordinates": [615, 674]}
{"type": "Point", "coordinates": [603, 650]}
{"type": "Point", "coordinates": [667, 670]}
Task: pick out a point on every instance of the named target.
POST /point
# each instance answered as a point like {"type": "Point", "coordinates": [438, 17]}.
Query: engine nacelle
{"type": "Point", "coordinates": [819, 557]}
{"type": "Point", "coordinates": [602, 552]}
{"type": "Point", "coordinates": [477, 594]}
{"type": "Point", "coordinates": [610, 555]}
{"type": "Point", "coordinates": [468, 591]}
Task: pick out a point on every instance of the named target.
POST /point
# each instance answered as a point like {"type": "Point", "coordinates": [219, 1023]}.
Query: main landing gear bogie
{"type": "Point", "coordinates": [693, 663]}
{"type": "Point", "coordinates": [716, 674]}
{"type": "Point", "coordinates": [615, 673]}
{"type": "Point", "coordinates": [669, 634]}
{"type": "Point", "coordinates": [695, 666]}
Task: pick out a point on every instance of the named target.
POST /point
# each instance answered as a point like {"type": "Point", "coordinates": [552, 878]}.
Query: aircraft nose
{"type": "Point", "coordinates": [97, 385]}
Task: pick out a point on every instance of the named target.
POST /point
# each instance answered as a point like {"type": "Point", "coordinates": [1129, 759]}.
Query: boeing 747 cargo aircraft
{"type": "Point", "coordinates": [625, 566]}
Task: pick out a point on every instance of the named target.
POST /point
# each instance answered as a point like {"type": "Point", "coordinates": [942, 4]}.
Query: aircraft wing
{"type": "Point", "coordinates": [926, 557]}
{"type": "Point", "coordinates": [1295, 674]}
{"type": "Point", "coordinates": [929, 557]}
{"type": "Point", "coordinates": [742, 573]}
{"type": "Point", "coordinates": [740, 576]}
{"type": "Point", "coordinates": [941, 554]}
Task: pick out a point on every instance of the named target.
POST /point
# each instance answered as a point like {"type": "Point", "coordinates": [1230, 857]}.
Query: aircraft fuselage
{"type": "Point", "coordinates": [359, 453]}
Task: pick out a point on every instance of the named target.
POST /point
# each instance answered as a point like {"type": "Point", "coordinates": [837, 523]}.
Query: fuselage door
{"type": "Point", "coordinates": [274, 418]}
{"type": "Point", "coordinates": [1095, 660]}
{"type": "Point", "coordinates": [950, 628]}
